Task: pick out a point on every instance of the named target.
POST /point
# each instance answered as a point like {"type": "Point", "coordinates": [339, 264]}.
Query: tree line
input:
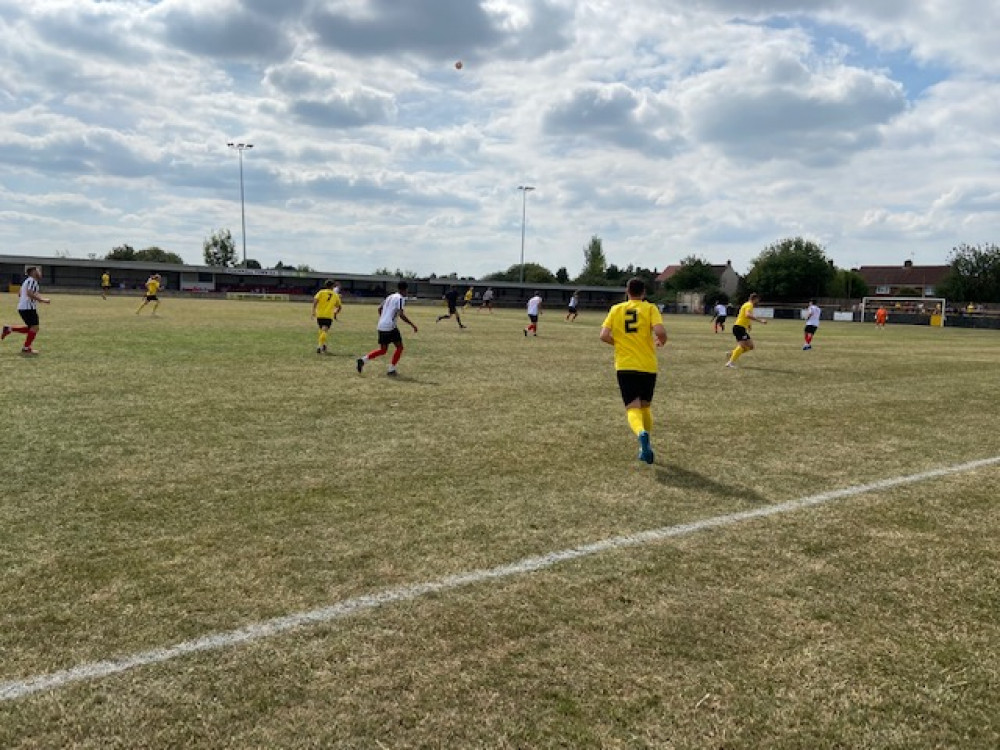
{"type": "Point", "coordinates": [790, 270]}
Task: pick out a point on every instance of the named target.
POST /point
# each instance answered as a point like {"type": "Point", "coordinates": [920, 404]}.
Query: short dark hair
{"type": "Point", "coordinates": [636, 287]}
{"type": "Point", "coordinates": [401, 286]}
{"type": "Point", "coordinates": [329, 284]}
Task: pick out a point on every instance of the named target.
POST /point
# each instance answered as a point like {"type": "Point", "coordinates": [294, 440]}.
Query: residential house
{"type": "Point", "coordinates": [887, 281]}
{"type": "Point", "coordinates": [729, 280]}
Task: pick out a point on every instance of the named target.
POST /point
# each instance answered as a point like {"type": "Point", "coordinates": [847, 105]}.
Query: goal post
{"type": "Point", "coordinates": [910, 310]}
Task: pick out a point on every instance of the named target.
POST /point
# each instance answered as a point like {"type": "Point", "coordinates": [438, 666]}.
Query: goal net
{"type": "Point", "coordinates": [911, 310]}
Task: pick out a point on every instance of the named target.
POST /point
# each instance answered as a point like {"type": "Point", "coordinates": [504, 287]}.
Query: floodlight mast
{"type": "Point", "coordinates": [525, 189]}
{"type": "Point", "coordinates": [240, 148]}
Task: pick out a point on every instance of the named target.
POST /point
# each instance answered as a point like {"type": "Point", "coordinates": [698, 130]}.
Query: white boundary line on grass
{"type": "Point", "coordinates": [268, 628]}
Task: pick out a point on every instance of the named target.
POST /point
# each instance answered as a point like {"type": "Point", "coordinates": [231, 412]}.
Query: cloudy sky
{"type": "Point", "coordinates": [668, 128]}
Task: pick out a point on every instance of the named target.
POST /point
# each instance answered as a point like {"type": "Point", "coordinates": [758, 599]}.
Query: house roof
{"type": "Point", "coordinates": [905, 275]}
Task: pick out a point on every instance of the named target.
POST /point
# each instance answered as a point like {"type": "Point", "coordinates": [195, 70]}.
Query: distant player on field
{"type": "Point", "coordinates": [152, 293]}
{"type": "Point", "coordinates": [27, 308]}
{"type": "Point", "coordinates": [741, 329]}
{"type": "Point", "coordinates": [534, 310]}
{"type": "Point", "coordinates": [635, 328]}
{"type": "Point", "coordinates": [812, 323]}
{"type": "Point", "coordinates": [326, 305]}
{"type": "Point", "coordinates": [105, 284]}
{"type": "Point", "coordinates": [574, 303]}
{"type": "Point", "coordinates": [881, 315]}
{"type": "Point", "coordinates": [451, 298]}
{"type": "Point", "coordinates": [487, 300]}
{"type": "Point", "coordinates": [719, 321]}
{"type": "Point", "coordinates": [388, 332]}
{"type": "Point", "coordinates": [469, 294]}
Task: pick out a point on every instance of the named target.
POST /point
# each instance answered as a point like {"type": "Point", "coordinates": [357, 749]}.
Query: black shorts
{"type": "Point", "coordinates": [324, 322]}
{"type": "Point", "coordinates": [152, 298]}
{"type": "Point", "coordinates": [741, 333]}
{"type": "Point", "coordinates": [571, 309]}
{"type": "Point", "coordinates": [811, 329]}
{"type": "Point", "coordinates": [390, 337]}
{"type": "Point", "coordinates": [533, 318]}
{"type": "Point", "coordinates": [452, 310]}
{"type": "Point", "coordinates": [106, 288]}
{"type": "Point", "coordinates": [720, 319]}
{"type": "Point", "coordinates": [636, 385]}
{"type": "Point", "coordinates": [30, 317]}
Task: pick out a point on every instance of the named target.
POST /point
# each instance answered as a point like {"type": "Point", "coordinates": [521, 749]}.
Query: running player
{"type": "Point", "coordinates": [574, 302]}
{"type": "Point", "coordinates": [812, 323]}
{"type": "Point", "coordinates": [388, 332]}
{"type": "Point", "coordinates": [27, 308]}
{"type": "Point", "coordinates": [534, 310]}
{"type": "Point", "coordinates": [326, 305]}
{"type": "Point", "coordinates": [451, 297]}
{"type": "Point", "coordinates": [105, 284]}
{"type": "Point", "coordinates": [634, 328]}
{"type": "Point", "coordinates": [152, 293]}
{"type": "Point", "coordinates": [741, 329]}
{"type": "Point", "coordinates": [719, 321]}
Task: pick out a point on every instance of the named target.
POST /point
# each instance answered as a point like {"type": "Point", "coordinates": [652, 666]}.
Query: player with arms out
{"type": "Point", "coordinates": [741, 329]}
{"type": "Point", "coordinates": [635, 329]}
{"type": "Point", "coordinates": [812, 323]}
{"type": "Point", "coordinates": [326, 305]}
{"type": "Point", "coordinates": [27, 308]}
{"type": "Point", "coordinates": [388, 332]}
{"type": "Point", "coordinates": [152, 293]}
{"type": "Point", "coordinates": [719, 321]}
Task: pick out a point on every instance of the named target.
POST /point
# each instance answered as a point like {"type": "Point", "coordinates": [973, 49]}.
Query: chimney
{"type": "Point", "coordinates": [908, 264]}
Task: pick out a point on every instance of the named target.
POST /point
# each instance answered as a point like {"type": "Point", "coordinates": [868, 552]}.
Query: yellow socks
{"type": "Point", "coordinates": [647, 419]}
{"type": "Point", "coordinates": [635, 420]}
{"type": "Point", "coordinates": [737, 353]}
{"type": "Point", "coordinates": [322, 338]}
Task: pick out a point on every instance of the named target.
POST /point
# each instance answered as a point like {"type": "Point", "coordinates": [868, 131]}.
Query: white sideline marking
{"type": "Point", "coordinates": [257, 631]}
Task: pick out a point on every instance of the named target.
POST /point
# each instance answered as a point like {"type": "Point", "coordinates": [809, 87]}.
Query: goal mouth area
{"type": "Point", "coordinates": [910, 310]}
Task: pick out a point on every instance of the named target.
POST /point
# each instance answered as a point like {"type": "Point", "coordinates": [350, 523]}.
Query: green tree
{"type": "Point", "coordinates": [595, 264]}
{"type": "Point", "coordinates": [533, 274]}
{"type": "Point", "coordinates": [847, 285]}
{"type": "Point", "coordinates": [155, 254]}
{"type": "Point", "coordinates": [974, 274]}
{"type": "Point", "coordinates": [562, 275]}
{"type": "Point", "coordinates": [694, 274]}
{"type": "Point", "coordinates": [791, 270]}
{"type": "Point", "coordinates": [121, 252]}
{"type": "Point", "coordinates": [220, 250]}
{"type": "Point", "coordinates": [399, 273]}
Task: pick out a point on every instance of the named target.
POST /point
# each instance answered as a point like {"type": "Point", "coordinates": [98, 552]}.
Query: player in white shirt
{"type": "Point", "coordinates": [571, 309]}
{"type": "Point", "coordinates": [719, 321]}
{"type": "Point", "coordinates": [487, 301]}
{"type": "Point", "coordinates": [388, 332]}
{"type": "Point", "coordinates": [27, 308]}
{"type": "Point", "coordinates": [534, 310]}
{"type": "Point", "coordinates": [811, 314]}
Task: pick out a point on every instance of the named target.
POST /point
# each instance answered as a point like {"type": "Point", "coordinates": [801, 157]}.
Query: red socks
{"type": "Point", "coordinates": [29, 339]}
{"type": "Point", "coordinates": [396, 355]}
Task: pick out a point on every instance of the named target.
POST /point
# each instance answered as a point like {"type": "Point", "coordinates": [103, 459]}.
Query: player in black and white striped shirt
{"type": "Point", "coordinates": [27, 308]}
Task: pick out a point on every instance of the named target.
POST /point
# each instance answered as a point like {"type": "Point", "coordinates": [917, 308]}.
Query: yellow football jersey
{"type": "Point", "coordinates": [631, 324]}
{"type": "Point", "coordinates": [105, 280]}
{"type": "Point", "coordinates": [327, 301]}
{"type": "Point", "coordinates": [743, 319]}
{"type": "Point", "coordinates": [152, 287]}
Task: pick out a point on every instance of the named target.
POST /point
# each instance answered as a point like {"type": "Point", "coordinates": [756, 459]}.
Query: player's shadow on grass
{"type": "Point", "coordinates": [775, 370]}
{"type": "Point", "coordinates": [411, 380]}
{"type": "Point", "coordinates": [685, 479]}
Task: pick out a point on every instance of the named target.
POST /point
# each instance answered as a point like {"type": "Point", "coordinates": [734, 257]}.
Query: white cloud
{"type": "Point", "coordinates": [667, 128]}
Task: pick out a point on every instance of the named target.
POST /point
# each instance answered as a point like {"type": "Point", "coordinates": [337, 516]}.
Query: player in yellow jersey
{"type": "Point", "coordinates": [152, 293]}
{"type": "Point", "coordinates": [635, 329]}
{"type": "Point", "coordinates": [468, 297]}
{"type": "Point", "coordinates": [326, 307]}
{"type": "Point", "coordinates": [105, 284]}
{"type": "Point", "coordinates": [741, 329]}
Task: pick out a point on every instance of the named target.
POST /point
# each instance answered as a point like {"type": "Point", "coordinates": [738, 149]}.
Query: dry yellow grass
{"type": "Point", "coordinates": [171, 478]}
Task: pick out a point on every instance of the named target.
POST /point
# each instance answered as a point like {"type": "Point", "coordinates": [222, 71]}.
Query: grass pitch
{"type": "Point", "coordinates": [172, 477]}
